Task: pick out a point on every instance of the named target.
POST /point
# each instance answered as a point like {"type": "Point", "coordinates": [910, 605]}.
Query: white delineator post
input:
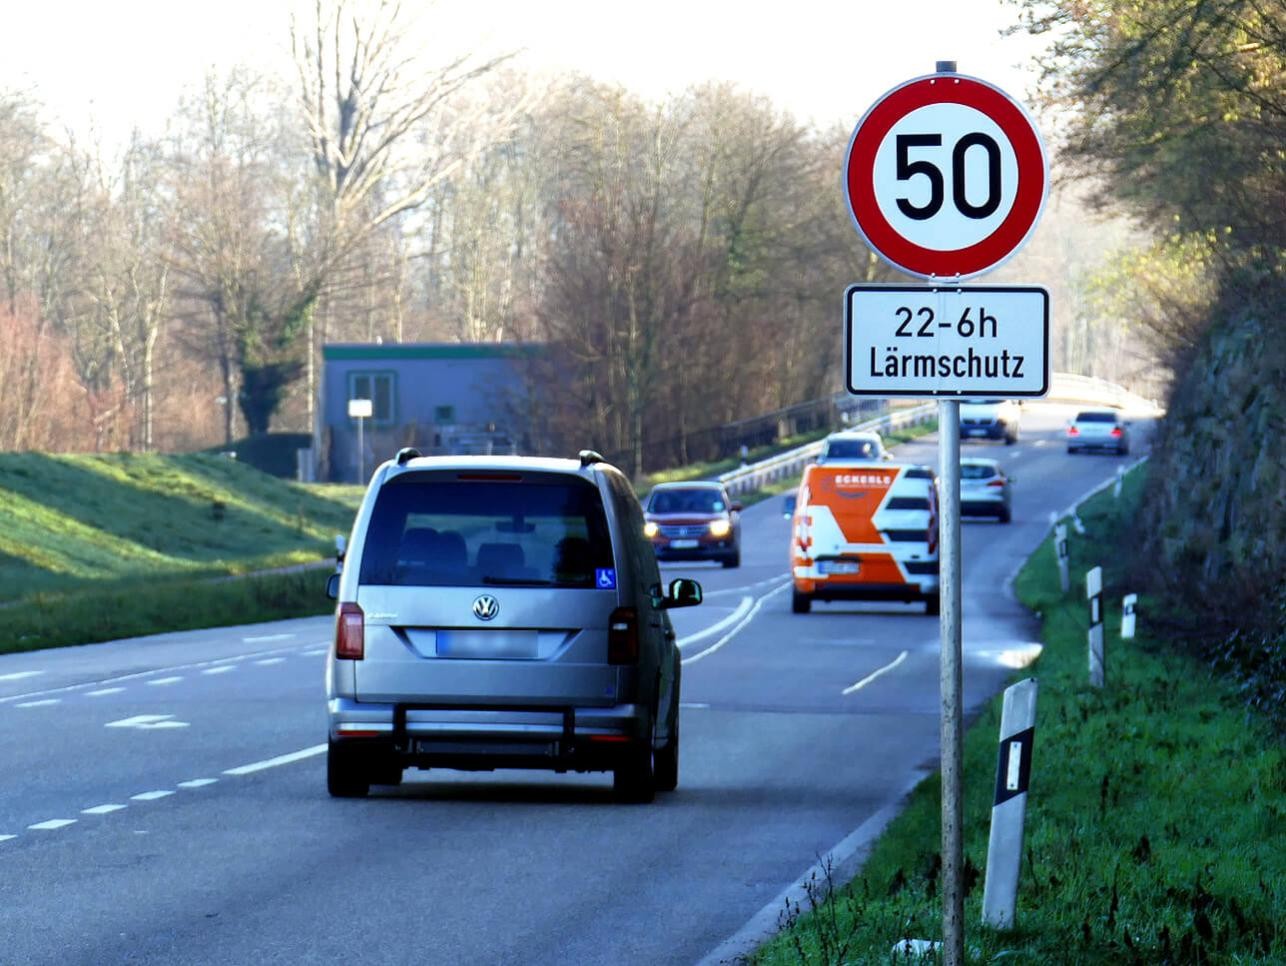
{"type": "Point", "coordinates": [950, 683]}
{"type": "Point", "coordinates": [1060, 549]}
{"type": "Point", "coordinates": [1127, 615]}
{"type": "Point", "coordinates": [1009, 808]}
{"type": "Point", "coordinates": [1094, 593]}
{"type": "Point", "coordinates": [1120, 481]}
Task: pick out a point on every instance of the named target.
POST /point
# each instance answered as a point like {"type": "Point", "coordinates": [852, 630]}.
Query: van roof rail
{"type": "Point", "coordinates": [407, 453]}
{"type": "Point", "coordinates": [588, 457]}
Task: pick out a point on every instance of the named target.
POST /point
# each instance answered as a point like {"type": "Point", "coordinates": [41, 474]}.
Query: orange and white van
{"type": "Point", "coordinates": [865, 532]}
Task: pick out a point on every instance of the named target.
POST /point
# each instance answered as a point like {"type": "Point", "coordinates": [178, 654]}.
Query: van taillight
{"type": "Point", "coordinates": [999, 482]}
{"type": "Point", "coordinates": [1116, 432]}
{"type": "Point", "coordinates": [350, 632]}
{"type": "Point", "coordinates": [623, 636]}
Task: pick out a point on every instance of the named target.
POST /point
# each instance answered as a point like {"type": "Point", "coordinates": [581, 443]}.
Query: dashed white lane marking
{"type": "Point", "coordinates": [316, 651]}
{"type": "Point", "coordinates": [875, 674]}
{"type": "Point", "coordinates": [267, 637]}
{"type": "Point", "coordinates": [695, 705]}
{"type": "Point", "coordinates": [158, 682]}
{"type": "Point", "coordinates": [147, 722]}
{"type": "Point", "coordinates": [102, 691]}
{"type": "Point", "coordinates": [221, 669]}
{"type": "Point", "coordinates": [6, 838]}
{"type": "Point", "coordinates": [151, 796]}
{"type": "Point", "coordinates": [103, 809]}
{"type": "Point", "coordinates": [736, 615]}
{"type": "Point", "coordinates": [53, 823]}
{"type": "Point", "coordinates": [279, 760]}
{"type": "Point", "coordinates": [137, 675]}
{"type": "Point", "coordinates": [736, 628]}
{"type": "Point", "coordinates": [38, 704]}
{"type": "Point", "coordinates": [198, 783]}
{"type": "Point", "coordinates": [19, 675]}
{"type": "Point", "coordinates": [271, 660]}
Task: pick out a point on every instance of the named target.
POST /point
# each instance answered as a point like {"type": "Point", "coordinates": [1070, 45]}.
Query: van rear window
{"type": "Point", "coordinates": [1096, 417]}
{"type": "Point", "coordinates": [436, 530]}
{"type": "Point", "coordinates": [908, 503]}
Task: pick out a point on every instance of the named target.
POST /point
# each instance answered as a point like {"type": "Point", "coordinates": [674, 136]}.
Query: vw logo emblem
{"type": "Point", "coordinates": [486, 607]}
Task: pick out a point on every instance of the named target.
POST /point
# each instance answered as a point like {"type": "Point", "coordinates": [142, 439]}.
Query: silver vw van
{"type": "Point", "coordinates": [502, 612]}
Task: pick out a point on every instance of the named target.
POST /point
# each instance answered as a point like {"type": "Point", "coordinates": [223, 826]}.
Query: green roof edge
{"type": "Point", "coordinates": [426, 350]}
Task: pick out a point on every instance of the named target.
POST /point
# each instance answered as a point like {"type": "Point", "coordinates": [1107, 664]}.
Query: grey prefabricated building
{"type": "Point", "coordinates": [441, 398]}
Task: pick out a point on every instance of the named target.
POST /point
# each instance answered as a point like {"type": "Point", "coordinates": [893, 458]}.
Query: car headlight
{"type": "Point", "coordinates": [650, 529]}
{"type": "Point", "coordinates": [720, 528]}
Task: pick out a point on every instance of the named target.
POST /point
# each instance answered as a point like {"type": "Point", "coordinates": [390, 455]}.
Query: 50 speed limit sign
{"type": "Point", "coordinates": [945, 176]}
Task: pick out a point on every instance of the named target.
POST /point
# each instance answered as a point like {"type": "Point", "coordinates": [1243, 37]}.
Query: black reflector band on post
{"type": "Point", "coordinates": [1014, 770]}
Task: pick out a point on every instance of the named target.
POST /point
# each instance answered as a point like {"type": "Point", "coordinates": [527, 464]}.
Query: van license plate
{"type": "Point", "coordinates": [838, 566]}
{"type": "Point", "coordinates": [683, 544]}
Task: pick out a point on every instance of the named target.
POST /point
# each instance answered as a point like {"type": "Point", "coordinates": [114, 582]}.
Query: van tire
{"type": "Point", "coordinates": [1011, 438]}
{"type": "Point", "coordinates": [1004, 515]}
{"type": "Point", "coordinates": [667, 762]}
{"type": "Point", "coordinates": [800, 603]}
{"type": "Point", "coordinates": [933, 605]}
{"type": "Point", "coordinates": [634, 778]}
{"type": "Point", "coordinates": [732, 561]}
{"type": "Point", "coordinates": [346, 774]}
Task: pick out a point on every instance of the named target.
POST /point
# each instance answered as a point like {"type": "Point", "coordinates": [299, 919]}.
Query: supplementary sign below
{"type": "Point", "coordinates": [962, 341]}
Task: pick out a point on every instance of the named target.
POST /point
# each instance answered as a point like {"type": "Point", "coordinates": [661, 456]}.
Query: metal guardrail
{"type": "Point", "coordinates": [792, 462]}
{"type": "Point", "coordinates": [1064, 386]}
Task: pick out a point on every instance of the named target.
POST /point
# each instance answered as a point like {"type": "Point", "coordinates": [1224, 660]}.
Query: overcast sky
{"type": "Point", "coordinates": [123, 63]}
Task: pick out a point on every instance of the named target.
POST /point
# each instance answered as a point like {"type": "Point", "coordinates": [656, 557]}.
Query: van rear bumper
{"type": "Point", "coordinates": [483, 737]}
{"type": "Point", "coordinates": [824, 590]}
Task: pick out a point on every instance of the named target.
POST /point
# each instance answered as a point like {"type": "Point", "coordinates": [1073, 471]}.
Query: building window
{"type": "Point", "coordinates": [381, 389]}
{"type": "Point", "coordinates": [444, 414]}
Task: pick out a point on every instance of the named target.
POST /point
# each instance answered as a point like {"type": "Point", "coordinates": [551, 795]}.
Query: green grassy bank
{"type": "Point", "coordinates": [1155, 822]}
{"type": "Point", "coordinates": [97, 547]}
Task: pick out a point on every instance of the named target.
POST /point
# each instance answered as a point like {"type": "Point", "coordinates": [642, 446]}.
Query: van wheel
{"type": "Point", "coordinates": [800, 603]}
{"type": "Point", "coordinates": [1011, 438]}
{"type": "Point", "coordinates": [346, 775]}
{"type": "Point", "coordinates": [667, 762]}
{"type": "Point", "coordinates": [734, 560]}
{"type": "Point", "coordinates": [634, 779]}
{"type": "Point", "coordinates": [933, 605]}
{"type": "Point", "coordinates": [1005, 514]}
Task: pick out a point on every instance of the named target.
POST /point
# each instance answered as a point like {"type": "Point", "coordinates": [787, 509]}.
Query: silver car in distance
{"type": "Point", "coordinates": [503, 612]}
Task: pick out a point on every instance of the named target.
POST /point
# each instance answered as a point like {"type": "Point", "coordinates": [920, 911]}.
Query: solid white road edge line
{"type": "Point", "coordinates": [841, 863]}
{"type": "Point", "coordinates": [875, 674]}
{"type": "Point", "coordinates": [733, 633]}
{"type": "Point", "coordinates": [279, 760]}
{"type": "Point", "coordinates": [267, 637]}
{"type": "Point", "coordinates": [736, 615]}
{"type": "Point", "coordinates": [725, 591]}
{"type": "Point", "coordinates": [18, 675]}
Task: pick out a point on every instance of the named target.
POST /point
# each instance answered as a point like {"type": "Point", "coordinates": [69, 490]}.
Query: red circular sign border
{"type": "Point", "coordinates": [859, 184]}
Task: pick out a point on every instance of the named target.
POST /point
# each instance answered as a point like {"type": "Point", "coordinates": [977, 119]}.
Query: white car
{"type": "Point", "coordinates": [990, 419]}
{"type": "Point", "coordinates": [857, 446]}
{"type": "Point", "coordinates": [1099, 429]}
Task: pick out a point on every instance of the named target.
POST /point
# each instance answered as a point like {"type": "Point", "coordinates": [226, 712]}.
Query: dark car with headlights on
{"type": "Point", "coordinates": [694, 521]}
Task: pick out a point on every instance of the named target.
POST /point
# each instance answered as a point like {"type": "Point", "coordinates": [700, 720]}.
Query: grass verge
{"type": "Point", "coordinates": [1155, 821]}
{"type": "Point", "coordinates": [122, 610]}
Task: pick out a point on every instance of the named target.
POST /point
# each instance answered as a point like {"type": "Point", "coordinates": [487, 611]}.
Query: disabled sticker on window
{"type": "Point", "coordinates": [605, 578]}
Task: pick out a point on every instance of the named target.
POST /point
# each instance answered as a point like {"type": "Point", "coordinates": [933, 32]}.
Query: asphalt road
{"type": "Point", "coordinates": [163, 799]}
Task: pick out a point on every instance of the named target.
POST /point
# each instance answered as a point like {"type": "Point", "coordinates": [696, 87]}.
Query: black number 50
{"type": "Point", "coordinates": [906, 169]}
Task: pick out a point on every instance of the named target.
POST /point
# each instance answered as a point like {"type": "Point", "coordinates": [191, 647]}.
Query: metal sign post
{"type": "Point", "coordinates": [951, 683]}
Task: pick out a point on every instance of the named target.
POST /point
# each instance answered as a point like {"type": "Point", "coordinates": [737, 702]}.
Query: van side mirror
{"type": "Point", "coordinates": [736, 507]}
{"type": "Point", "coordinates": [682, 592]}
{"type": "Point", "coordinates": [332, 586]}
{"type": "Point", "coordinates": [887, 455]}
